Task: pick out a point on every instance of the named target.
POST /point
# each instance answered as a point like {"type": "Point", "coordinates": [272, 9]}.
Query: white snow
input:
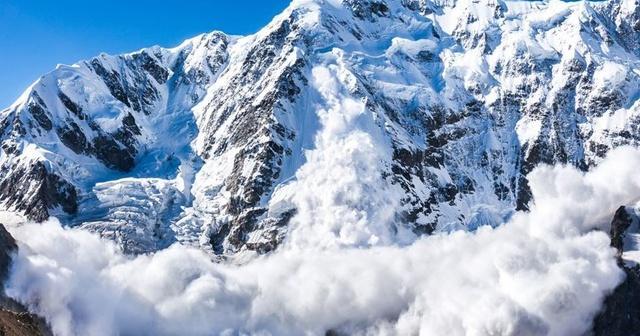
{"type": "Point", "coordinates": [543, 272]}
{"type": "Point", "coordinates": [349, 260]}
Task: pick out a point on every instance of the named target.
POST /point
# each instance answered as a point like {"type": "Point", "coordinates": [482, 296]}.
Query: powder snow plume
{"type": "Point", "coordinates": [544, 272]}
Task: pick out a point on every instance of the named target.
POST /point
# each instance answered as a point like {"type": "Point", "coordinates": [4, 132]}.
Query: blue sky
{"type": "Point", "coordinates": [37, 35]}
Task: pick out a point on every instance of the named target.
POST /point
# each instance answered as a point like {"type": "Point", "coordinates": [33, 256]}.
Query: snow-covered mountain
{"type": "Point", "coordinates": [399, 117]}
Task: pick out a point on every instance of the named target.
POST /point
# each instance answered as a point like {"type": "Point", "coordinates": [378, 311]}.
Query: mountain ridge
{"type": "Point", "coordinates": [440, 108]}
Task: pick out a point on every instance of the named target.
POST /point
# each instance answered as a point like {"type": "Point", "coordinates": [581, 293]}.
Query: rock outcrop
{"type": "Point", "coordinates": [621, 312]}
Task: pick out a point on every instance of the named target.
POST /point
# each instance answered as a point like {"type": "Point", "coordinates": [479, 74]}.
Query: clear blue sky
{"type": "Point", "coordinates": [37, 35]}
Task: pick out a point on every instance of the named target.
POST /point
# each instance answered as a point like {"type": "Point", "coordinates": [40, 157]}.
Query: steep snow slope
{"type": "Point", "coordinates": [399, 117]}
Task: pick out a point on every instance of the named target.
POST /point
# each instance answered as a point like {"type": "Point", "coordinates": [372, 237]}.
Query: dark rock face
{"type": "Point", "coordinates": [112, 80]}
{"type": "Point", "coordinates": [71, 106]}
{"type": "Point", "coordinates": [159, 73]}
{"type": "Point", "coordinates": [73, 138]}
{"type": "Point", "coordinates": [14, 323]}
{"type": "Point", "coordinates": [8, 246]}
{"type": "Point", "coordinates": [619, 225]}
{"type": "Point", "coordinates": [38, 110]}
{"type": "Point", "coordinates": [368, 10]}
{"type": "Point", "coordinates": [112, 154]}
{"type": "Point", "coordinates": [621, 313]}
{"type": "Point", "coordinates": [45, 191]}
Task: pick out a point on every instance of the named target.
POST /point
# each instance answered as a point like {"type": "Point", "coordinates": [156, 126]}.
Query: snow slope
{"type": "Point", "coordinates": [399, 117]}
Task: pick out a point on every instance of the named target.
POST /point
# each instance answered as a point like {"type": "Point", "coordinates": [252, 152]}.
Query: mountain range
{"type": "Point", "coordinates": [341, 124]}
{"type": "Point", "coordinates": [435, 110]}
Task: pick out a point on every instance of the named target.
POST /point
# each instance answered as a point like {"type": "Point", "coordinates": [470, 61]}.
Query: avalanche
{"type": "Point", "coordinates": [355, 167]}
{"type": "Point", "coordinates": [545, 272]}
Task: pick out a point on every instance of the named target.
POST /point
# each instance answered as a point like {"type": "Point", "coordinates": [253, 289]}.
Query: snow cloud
{"type": "Point", "coordinates": [545, 272]}
{"type": "Point", "coordinates": [340, 195]}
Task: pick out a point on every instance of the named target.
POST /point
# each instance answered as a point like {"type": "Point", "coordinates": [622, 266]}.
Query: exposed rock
{"type": "Point", "coordinates": [621, 313]}
{"type": "Point", "coordinates": [71, 106]}
{"type": "Point", "coordinates": [159, 73]}
{"type": "Point", "coordinates": [73, 138]}
{"type": "Point", "coordinates": [44, 191]}
{"type": "Point", "coordinates": [8, 247]}
{"type": "Point", "coordinates": [112, 80]}
{"type": "Point", "coordinates": [37, 108]}
{"type": "Point", "coordinates": [112, 154]}
{"type": "Point", "coordinates": [619, 225]}
{"type": "Point", "coordinates": [14, 323]}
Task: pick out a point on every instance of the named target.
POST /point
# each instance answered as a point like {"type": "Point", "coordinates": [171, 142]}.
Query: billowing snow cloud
{"type": "Point", "coordinates": [341, 197]}
{"type": "Point", "coordinates": [545, 272]}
